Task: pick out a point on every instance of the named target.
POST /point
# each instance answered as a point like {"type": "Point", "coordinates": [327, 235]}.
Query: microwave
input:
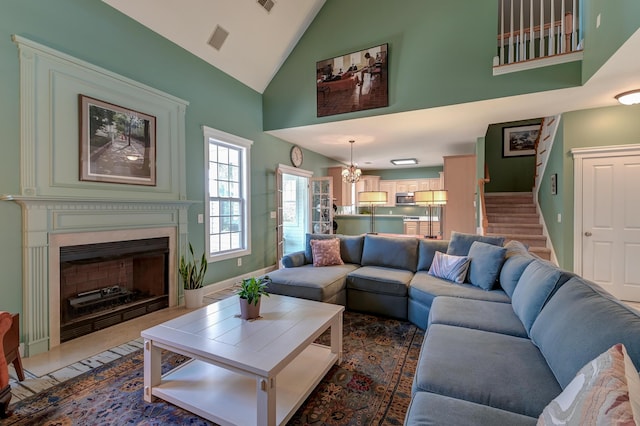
{"type": "Point", "coordinates": [405, 199]}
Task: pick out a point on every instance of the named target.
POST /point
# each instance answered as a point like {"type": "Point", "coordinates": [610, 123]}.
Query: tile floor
{"type": "Point", "coordinates": [80, 355]}
{"type": "Point", "coordinates": [75, 357]}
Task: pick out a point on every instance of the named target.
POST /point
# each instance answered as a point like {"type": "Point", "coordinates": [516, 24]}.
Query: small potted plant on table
{"type": "Point", "coordinates": [192, 273]}
{"type": "Point", "coordinates": [251, 291]}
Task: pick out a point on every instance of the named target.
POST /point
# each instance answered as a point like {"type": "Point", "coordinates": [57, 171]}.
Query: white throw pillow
{"type": "Point", "coordinates": [606, 391]}
{"type": "Point", "coordinates": [449, 267]}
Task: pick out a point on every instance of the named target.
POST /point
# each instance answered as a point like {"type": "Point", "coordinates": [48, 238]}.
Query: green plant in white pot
{"type": "Point", "coordinates": [192, 273]}
{"type": "Point", "coordinates": [250, 293]}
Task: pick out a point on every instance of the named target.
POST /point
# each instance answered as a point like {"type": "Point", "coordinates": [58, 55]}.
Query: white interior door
{"type": "Point", "coordinates": [610, 234]}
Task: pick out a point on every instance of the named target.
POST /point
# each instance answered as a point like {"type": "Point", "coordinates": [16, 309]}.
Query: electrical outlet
{"type": "Point", "coordinates": [598, 21]}
{"type": "Point", "coordinates": [273, 215]}
{"type": "Point", "coordinates": [200, 218]}
{"type": "Point", "coordinates": [239, 261]}
{"type": "Point", "coordinates": [559, 217]}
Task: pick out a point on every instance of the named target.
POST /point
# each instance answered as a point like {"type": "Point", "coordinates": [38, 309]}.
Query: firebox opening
{"type": "Point", "coordinates": [104, 284]}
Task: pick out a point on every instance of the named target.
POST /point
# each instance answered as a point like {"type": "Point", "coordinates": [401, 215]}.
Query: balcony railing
{"type": "Point", "coordinates": [534, 29]}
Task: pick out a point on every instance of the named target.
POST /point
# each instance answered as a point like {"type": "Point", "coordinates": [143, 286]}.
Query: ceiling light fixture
{"type": "Point", "coordinates": [404, 162]}
{"type": "Point", "coordinates": [352, 174]}
{"type": "Point", "coordinates": [631, 97]}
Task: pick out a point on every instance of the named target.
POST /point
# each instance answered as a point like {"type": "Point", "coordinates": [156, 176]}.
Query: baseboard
{"type": "Point", "coordinates": [229, 282]}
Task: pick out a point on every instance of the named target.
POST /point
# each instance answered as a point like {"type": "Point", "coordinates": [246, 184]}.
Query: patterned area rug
{"type": "Point", "coordinates": [372, 386]}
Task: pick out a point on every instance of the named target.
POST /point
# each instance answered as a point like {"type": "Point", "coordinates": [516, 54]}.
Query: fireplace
{"type": "Point", "coordinates": [103, 284]}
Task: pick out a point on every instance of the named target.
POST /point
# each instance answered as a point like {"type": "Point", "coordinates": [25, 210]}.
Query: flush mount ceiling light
{"type": "Point", "coordinates": [404, 162]}
{"type": "Point", "coordinates": [631, 97]}
{"type": "Point", "coordinates": [352, 174]}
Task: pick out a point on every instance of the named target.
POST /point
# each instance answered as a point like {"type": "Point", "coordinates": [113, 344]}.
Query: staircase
{"type": "Point", "coordinates": [514, 216]}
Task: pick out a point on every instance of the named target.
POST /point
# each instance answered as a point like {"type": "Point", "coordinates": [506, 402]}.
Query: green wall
{"type": "Point", "coordinates": [552, 205]}
{"type": "Point", "coordinates": [618, 125]}
{"type": "Point", "coordinates": [92, 31]}
{"type": "Point", "coordinates": [619, 19]}
{"type": "Point", "coordinates": [440, 53]}
{"type": "Point", "coordinates": [510, 174]}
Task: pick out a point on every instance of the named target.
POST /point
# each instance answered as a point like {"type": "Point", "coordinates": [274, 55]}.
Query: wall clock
{"type": "Point", "coordinates": [296, 156]}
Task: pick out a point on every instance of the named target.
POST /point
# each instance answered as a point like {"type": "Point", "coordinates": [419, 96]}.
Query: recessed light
{"type": "Point", "coordinates": [404, 162]}
{"type": "Point", "coordinates": [629, 98]}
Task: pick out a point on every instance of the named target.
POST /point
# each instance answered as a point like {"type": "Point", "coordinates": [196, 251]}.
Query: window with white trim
{"type": "Point", "coordinates": [227, 194]}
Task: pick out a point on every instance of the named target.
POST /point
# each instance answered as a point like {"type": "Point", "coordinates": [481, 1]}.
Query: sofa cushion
{"type": "Point", "coordinates": [427, 249]}
{"type": "Point", "coordinates": [350, 246]}
{"type": "Point", "coordinates": [460, 243]}
{"type": "Point", "coordinates": [390, 252]}
{"type": "Point", "coordinates": [538, 282]}
{"type": "Point", "coordinates": [478, 314]}
{"type": "Point", "coordinates": [486, 262]}
{"type": "Point", "coordinates": [428, 408]}
{"type": "Point", "coordinates": [583, 315]}
{"type": "Point", "coordinates": [377, 279]}
{"type": "Point", "coordinates": [449, 267]}
{"type": "Point", "coordinates": [497, 370]}
{"type": "Point", "coordinates": [517, 258]}
{"type": "Point", "coordinates": [598, 395]}
{"type": "Point", "coordinates": [424, 288]}
{"type": "Point", "coordinates": [294, 259]}
{"type": "Point", "coordinates": [309, 282]}
{"type": "Point", "coordinates": [326, 252]}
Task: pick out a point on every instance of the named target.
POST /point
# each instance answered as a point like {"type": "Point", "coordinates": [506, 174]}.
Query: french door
{"type": "Point", "coordinates": [292, 201]}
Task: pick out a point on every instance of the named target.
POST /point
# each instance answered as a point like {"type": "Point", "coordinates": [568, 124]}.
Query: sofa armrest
{"type": "Point", "coordinates": [293, 260]}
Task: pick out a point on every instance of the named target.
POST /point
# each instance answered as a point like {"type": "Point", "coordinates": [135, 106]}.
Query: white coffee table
{"type": "Point", "coordinates": [244, 372]}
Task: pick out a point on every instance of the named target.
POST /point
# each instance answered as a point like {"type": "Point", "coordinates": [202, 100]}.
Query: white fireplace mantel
{"type": "Point", "coordinates": [52, 222]}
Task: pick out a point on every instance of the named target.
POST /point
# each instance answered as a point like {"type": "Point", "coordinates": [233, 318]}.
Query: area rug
{"type": "Point", "coordinates": [372, 386]}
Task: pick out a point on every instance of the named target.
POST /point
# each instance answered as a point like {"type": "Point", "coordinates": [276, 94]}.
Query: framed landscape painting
{"type": "Point", "coordinates": [117, 144]}
{"type": "Point", "coordinates": [519, 141]}
{"type": "Point", "coordinates": [353, 81]}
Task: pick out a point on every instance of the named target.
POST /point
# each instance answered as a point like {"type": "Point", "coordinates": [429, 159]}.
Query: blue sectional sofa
{"type": "Point", "coordinates": [497, 349]}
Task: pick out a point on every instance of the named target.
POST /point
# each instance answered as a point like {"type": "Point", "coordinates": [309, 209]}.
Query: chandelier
{"type": "Point", "coordinates": [351, 174]}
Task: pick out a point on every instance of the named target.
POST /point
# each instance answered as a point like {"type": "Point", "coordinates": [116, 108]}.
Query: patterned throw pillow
{"type": "Point", "coordinates": [326, 252]}
{"type": "Point", "coordinates": [604, 392]}
{"type": "Point", "coordinates": [449, 267]}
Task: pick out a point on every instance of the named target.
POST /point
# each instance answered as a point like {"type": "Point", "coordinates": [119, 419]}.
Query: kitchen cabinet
{"type": "Point", "coordinates": [406, 185]}
{"type": "Point", "coordinates": [367, 183]}
{"type": "Point", "coordinates": [389, 186]}
{"type": "Point", "coordinates": [460, 183]}
{"type": "Point", "coordinates": [421, 228]}
{"type": "Point", "coordinates": [342, 191]}
{"type": "Point", "coordinates": [411, 228]}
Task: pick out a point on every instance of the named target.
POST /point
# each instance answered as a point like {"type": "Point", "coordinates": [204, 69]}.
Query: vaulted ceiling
{"type": "Point", "coordinates": [259, 41]}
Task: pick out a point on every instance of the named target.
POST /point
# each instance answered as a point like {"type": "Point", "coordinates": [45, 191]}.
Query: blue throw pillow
{"type": "Point", "coordinates": [449, 267]}
{"type": "Point", "coordinates": [486, 262]}
{"type": "Point", "coordinates": [427, 250]}
{"type": "Point", "coordinates": [461, 243]}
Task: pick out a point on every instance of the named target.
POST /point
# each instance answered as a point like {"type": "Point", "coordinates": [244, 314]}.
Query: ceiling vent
{"type": "Point", "coordinates": [218, 37]}
{"type": "Point", "coordinates": [266, 4]}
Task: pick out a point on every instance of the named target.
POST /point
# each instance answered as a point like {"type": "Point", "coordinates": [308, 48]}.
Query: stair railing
{"type": "Point", "coordinates": [484, 221]}
{"type": "Point", "coordinates": [543, 145]}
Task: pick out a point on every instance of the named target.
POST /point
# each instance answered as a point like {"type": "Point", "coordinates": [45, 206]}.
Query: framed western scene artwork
{"type": "Point", "coordinates": [117, 144]}
{"type": "Point", "coordinates": [519, 141]}
{"type": "Point", "coordinates": [353, 82]}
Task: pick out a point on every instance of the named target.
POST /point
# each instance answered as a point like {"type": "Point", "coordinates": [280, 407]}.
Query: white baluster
{"type": "Point", "coordinates": [563, 43]}
{"type": "Point", "coordinates": [511, 35]}
{"type": "Point", "coordinates": [532, 48]}
{"type": "Point", "coordinates": [541, 49]}
{"type": "Point", "coordinates": [574, 28]}
{"type": "Point", "coordinates": [552, 39]}
{"type": "Point", "coordinates": [502, 32]}
{"type": "Point", "coordinates": [521, 47]}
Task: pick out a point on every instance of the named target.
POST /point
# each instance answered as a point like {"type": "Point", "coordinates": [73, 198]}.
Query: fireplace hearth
{"type": "Point", "coordinates": [104, 284]}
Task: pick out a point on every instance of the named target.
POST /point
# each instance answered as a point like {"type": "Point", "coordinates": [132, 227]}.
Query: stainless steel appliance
{"type": "Point", "coordinates": [405, 199]}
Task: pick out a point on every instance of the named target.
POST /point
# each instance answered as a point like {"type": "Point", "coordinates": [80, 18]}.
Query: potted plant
{"type": "Point", "coordinates": [192, 272]}
{"type": "Point", "coordinates": [251, 291]}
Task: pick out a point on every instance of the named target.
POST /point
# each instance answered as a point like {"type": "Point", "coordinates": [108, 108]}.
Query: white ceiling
{"type": "Point", "coordinates": [260, 41]}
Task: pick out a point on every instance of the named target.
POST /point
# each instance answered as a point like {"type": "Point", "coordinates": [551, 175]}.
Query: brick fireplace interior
{"type": "Point", "coordinates": [107, 283]}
